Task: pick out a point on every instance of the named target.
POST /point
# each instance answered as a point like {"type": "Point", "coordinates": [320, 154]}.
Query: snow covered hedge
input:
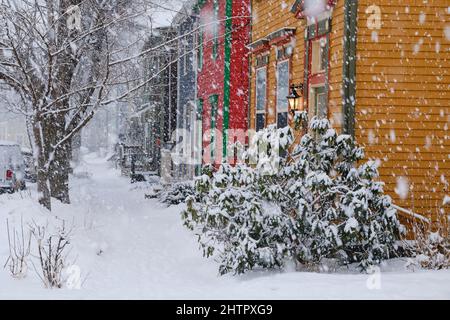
{"type": "Point", "coordinates": [312, 204]}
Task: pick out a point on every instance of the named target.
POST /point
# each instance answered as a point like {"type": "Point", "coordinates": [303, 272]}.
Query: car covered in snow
{"type": "Point", "coordinates": [12, 167]}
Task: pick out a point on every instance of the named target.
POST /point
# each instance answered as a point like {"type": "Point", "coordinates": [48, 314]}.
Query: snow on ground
{"type": "Point", "coordinates": [146, 253]}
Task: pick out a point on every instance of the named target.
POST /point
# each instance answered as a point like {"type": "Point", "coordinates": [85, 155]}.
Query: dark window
{"type": "Point", "coordinates": [282, 119]}
{"type": "Point", "coordinates": [260, 121]}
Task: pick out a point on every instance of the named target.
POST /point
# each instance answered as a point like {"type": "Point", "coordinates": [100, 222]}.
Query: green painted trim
{"type": "Point", "coordinates": [214, 102]}
{"type": "Point", "coordinates": [349, 67]}
{"type": "Point", "coordinates": [227, 71]}
{"type": "Point", "coordinates": [199, 109]}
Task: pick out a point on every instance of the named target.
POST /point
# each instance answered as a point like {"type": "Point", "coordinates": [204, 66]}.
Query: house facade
{"type": "Point", "coordinates": [223, 76]}
{"type": "Point", "coordinates": [379, 71]}
{"type": "Point", "coordinates": [187, 153]}
{"type": "Point", "coordinates": [157, 114]}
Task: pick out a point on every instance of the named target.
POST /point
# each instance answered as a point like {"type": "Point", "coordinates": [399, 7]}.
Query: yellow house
{"type": "Point", "coordinates": [379, 70]}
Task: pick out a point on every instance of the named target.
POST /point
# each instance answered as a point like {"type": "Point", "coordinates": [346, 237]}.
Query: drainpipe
{"type": "Point", "coordinates": [349, 66]}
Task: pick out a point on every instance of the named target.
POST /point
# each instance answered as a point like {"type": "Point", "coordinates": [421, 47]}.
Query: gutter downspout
{"type": "Point", "coordinates": [349, 66]}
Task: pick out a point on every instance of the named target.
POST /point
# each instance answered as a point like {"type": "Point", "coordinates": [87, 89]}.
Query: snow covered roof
{"type": "Point", "coordinates": [163, 15]}
{"type": "Point", "coordinates": [8, 143]}
{"type": "Point", "coordinates": [185, 12]}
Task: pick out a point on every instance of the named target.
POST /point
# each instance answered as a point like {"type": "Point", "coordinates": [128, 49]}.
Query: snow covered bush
{"type": "Point", "coordinates": [431, 251]}
{"type": "Point", "coordinates": [342, 211]}
{"type": "Point", "coordinates": [312, 204]}
{"type": "Point", "coordinates": [177, 193]}
{"type": "Point", "coordinates": [173, 194]}
{"type": "Point", "coordinates": [233, 220]}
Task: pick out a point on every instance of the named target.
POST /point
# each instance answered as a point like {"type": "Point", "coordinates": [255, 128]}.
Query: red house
{"type": "Point", "coordinates": [223, 76]}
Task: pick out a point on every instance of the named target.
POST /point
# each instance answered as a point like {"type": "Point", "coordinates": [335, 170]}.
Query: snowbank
{"type": "Point", "coordinates": [129, 247]}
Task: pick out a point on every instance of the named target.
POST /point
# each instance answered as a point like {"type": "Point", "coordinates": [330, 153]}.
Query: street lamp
{"type": "Point", "coordinates": [296, 100]}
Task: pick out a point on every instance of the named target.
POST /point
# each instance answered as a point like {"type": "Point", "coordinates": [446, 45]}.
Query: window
{"type": "Point", "coordinates": [200, 49]}
{"type": "Point", "coordinates": [261, 96]}
{"type": "Point", "coordinates": [282, 93]}
{"type": "Point", "coordinates": [319, 55]}
{"type": "Point", "coordinates": [213, 100]}
{"type": "Point", "coordinates": [215, 29]}
{"type": "Point", "coordinates": [319, 101]}
{"type": "Point", "coordinates": [317, 46]}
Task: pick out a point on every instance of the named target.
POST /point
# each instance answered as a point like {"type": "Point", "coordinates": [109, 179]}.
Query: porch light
{"type": "Point", "coordinates": [295, 100]}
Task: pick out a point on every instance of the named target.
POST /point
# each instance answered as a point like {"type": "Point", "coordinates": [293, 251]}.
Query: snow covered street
{"type": "Point", "coordinates": [129, 247]}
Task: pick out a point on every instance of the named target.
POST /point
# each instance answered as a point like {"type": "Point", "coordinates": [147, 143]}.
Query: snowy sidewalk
{"type": "Point", "coordinates": [132, 248]}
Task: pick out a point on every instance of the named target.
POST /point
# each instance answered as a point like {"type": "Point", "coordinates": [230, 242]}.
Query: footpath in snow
{"type": "Point", "coordinates": [128, 247]}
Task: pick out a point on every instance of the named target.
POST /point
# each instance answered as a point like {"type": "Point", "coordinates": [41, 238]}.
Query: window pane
{"type": "Point", "coordinates": [260, 121]}
{"type": "Point", "coordinates": [261, 89]}
{"type": "Point", "coordinates": [319, 55]}
{"type": "Point", "coordinates": [282, 119]}
{"type": "Point", "coordinates": [320, 102]}
{"type": "Point", "coordinates": [282, 86]}
{"type": "Point", "coordinates": [321, 105]}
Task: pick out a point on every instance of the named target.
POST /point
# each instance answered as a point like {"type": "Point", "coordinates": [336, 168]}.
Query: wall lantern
{"type": "Point", "coordinates": [296, 100]}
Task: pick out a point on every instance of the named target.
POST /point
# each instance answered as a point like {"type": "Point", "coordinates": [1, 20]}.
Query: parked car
{"type": "Point", "coordinates": [12, 167]}
{"type": "Point", "coordinates": [30, 168]}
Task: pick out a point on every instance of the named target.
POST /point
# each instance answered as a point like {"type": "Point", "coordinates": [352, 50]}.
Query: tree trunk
{"type": "Point", "coordinates": [42, 173]}
{"type": "Point", "coordinates": [59, 174]}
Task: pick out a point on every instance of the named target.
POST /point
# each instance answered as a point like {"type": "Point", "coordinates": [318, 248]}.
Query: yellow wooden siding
{"type": "Point", "coordinates": [403, 99]}
{"type": "Point", "coordinates": [272, 15]}
{"type": "Point", "coordinates": [269, 16]}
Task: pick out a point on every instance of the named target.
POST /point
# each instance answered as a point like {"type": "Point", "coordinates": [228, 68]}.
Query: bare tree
{"type": "Point", "coordinates": [66, 59]}
{"type": "Point", "coordinates": [56, 56]}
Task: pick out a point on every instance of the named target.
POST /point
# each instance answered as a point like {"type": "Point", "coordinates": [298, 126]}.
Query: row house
{"type": "Point", "coordinates": [152, 124]}
{"type": "Point", "coordinates": [187, 151]}
{"type": "Point", "coordinates": [213, 83]}
{"type": "Point", "coordinates": [222, 75]}
{"type": "Point", "coordinates": [379, 70]}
